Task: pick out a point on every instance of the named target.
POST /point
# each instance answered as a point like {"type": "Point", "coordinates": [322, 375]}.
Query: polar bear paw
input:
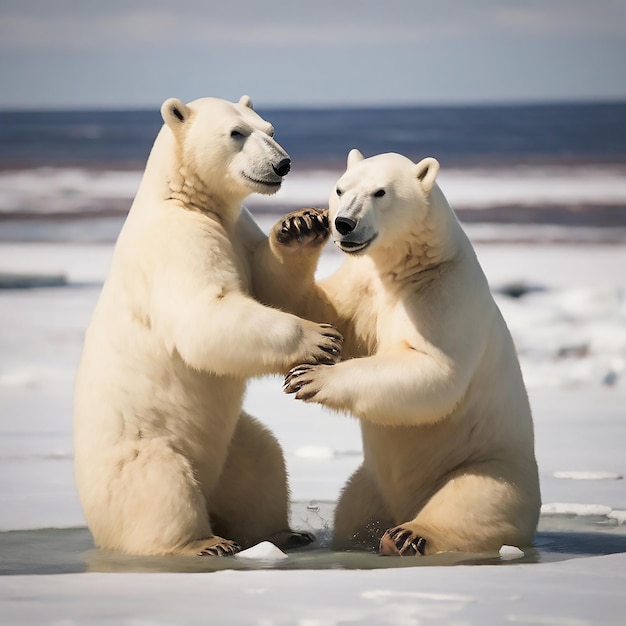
{"type": "Point", "coordinates": [302, 228]}
{"type": "Point", "coordinates": [321, 343]}
{"type": "Point", "coordinates": [218, 546]}
{"type": "Point", "coordinates": [305, 381]}
{"type": "Point", "coordinates": [401, 541]}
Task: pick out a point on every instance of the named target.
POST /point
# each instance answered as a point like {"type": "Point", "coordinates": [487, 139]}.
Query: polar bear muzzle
{"type": "Point", "coordinates": [353, 228]}
{"type": "Point", "coordinates": [266, 162]}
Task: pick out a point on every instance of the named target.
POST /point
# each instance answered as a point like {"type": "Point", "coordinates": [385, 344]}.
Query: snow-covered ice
{"type": "Point", "coordinates": [564, 508]}
{"type": "Point", "coordinates": [570, 328]}
{"type": "Point", "coordinates": [65, 190]}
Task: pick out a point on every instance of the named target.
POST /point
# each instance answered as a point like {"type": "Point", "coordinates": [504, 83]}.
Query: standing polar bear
{"type": "Point", "coordinates": [165, 459]}
{"type": "Point", "coordinates": [448, 447]}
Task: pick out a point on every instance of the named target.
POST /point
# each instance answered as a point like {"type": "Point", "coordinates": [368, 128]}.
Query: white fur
{"type": "Point", "coordinates": [165, 459]}
{"type": "Point", "coordinates": [430, 367]}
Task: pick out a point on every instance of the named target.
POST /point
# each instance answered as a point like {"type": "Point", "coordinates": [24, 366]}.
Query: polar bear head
{"type": "Point", "coordinates": [380, 200]}
{"type": "Point", "coordinates": [226, 147]}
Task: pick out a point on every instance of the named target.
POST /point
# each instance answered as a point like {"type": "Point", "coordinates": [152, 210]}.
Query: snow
{"type": "Point", "coordinates": [573, 593]}
{"type": "Point", "coordinates": [49, 190]}
{"type": "Point", "coordinates": [563, 508]}
{"type": "Point", "coordinates": [64, 190]}
{"type": "Point", "coordinates": [570, 328]}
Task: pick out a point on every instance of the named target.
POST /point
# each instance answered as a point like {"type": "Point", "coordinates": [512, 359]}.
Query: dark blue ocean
{"type": "Point", "coordinates": [71, 175]}
{"type": "Point", "coordinates": [457, 136]}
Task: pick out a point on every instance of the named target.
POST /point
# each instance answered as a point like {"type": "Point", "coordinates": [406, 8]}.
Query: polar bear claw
{"type": "Point", "coordinates": [400, 541]}
{"type": "Point", "coordinates": [303, 227]}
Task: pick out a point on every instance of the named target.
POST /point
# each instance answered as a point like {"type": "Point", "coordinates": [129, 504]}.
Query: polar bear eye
{"type": "Point", "coordinates": [236, 134]}
{"type": "Point", "coordinates": [339, 192]}
{"type": "Point", "coordinates": [379, 194]}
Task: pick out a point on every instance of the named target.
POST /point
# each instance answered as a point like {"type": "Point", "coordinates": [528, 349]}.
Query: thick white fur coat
{"type": "Point", "coordinates": [429, 367]}
{"type": "Point", "coordinates": [165, 459]}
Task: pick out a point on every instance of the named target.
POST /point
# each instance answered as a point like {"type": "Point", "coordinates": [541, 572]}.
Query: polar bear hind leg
{"type": "Point", "coordinates": [475, 511]}
{"type": "Point", "coordinates": [145, 500]}
{"type": "Point", "coordinates": [250, 503]}
{"type": "Point", "coordinates": [361, 515]}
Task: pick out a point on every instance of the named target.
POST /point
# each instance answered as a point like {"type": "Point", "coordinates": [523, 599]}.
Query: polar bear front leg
{"type": "Point", "coordinates": [284, 265]}
{"type": "Point", "coordinates": [402, 388]}
{"type": "Point", "coordinates": [304, 231]}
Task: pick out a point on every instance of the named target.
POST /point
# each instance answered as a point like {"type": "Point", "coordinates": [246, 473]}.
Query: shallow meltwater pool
{"type": "Point", "coordinates": [71, 550]}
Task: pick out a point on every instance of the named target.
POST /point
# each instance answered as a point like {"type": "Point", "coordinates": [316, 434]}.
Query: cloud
{"type": "Point", "coordinates": [73, 25]}
{"type": "Point", "coordinates": [576, 18]}
{"type": "Point", "coordinates": [138, 51]}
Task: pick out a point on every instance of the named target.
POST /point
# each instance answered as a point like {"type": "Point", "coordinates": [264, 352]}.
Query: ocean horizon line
{"type": "Point", "coordinates": [330, 106]}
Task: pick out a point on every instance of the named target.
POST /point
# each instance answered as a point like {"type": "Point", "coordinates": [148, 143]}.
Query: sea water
{"type": "Point", "coordinates": [71, 550]}
{"type": "Point", "coordinates": [71, 175]}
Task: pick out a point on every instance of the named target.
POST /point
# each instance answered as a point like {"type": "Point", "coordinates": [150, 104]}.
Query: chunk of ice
{"type": "Point", "coordinates": [508, 553]}
{"type": "Point", "coordinates": [264, 551]}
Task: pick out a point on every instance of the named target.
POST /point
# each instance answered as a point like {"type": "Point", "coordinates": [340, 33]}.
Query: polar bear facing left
{"type": "Point", "coordinates": [166, 461]}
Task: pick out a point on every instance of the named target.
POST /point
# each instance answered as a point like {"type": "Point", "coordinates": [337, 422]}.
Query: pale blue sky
{"type": "Point", "coordinates": [118, 53]}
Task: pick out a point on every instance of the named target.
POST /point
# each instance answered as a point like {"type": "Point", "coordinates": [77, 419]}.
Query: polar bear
{"type": "Point", "coordinates": [165, 459]}
{"type": "Point", "coordinates": [431, 370]}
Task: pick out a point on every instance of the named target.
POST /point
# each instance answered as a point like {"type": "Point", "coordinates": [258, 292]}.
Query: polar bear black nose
{"type": "Point", "coordinates": [344, 225]}
{"type": "Point", "coordinates": [283, 167]}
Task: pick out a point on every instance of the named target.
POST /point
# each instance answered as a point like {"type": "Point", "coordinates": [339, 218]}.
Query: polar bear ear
{"type": "Point", "coordinates": [174, 112]}
{"type": "Point", "coordinates": [426, 171]}
{"type": "Point", "coordinates": [354, 156]}
{"type": "Point", "coordinates": [246, 101]}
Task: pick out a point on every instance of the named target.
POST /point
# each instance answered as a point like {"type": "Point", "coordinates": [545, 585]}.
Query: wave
{"type": "Point", "coordinates": [84, 192]}
{"type": "Point", "coordinates": [50, 191]}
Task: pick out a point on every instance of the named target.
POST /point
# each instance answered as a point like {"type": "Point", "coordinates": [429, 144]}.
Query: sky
{"type": "Point", "coordinates": [137, 53]}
